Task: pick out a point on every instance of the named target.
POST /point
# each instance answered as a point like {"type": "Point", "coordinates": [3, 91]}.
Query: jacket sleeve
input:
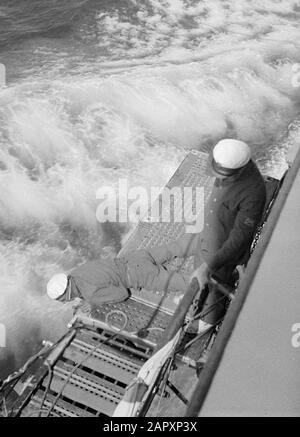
{"type": "Point", "coordinates": [168, 280]}
{"type": "Point", "coordinates": [241, 235]}
{"type": "Point", "coordinates": [183, 247]}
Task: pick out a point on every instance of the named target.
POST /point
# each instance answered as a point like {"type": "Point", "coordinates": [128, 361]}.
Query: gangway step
{"type": "Point", "coordinates": [102, 361]}
{"type": "Point", "coordinates": [134, 349]}
{"type": "Point", "coordinates": [61, 408]}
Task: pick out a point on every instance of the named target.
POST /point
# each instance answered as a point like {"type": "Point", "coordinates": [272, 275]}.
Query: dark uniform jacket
{"type": "Point", "coordinates": [232, 214]}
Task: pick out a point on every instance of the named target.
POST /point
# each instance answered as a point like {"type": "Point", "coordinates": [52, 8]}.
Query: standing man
{"type": "Point", "coordinates": [232, 214]}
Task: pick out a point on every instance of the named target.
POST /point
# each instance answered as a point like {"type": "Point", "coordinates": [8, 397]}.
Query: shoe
{"type": "Point", "coordinates": [198, 327]}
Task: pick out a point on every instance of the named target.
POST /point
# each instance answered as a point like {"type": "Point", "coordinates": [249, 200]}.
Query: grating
{"type": "Point", "coordinates": [138, 315]}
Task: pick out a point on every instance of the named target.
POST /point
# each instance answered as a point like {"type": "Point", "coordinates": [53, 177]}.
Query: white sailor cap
{"type": "Point", "coordinates": [229, 156]}
{"type": "Point", "coordinates": [57, 285]}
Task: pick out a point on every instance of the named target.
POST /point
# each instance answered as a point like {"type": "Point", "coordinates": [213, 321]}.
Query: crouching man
{"type": "Point", "coordinates": [232, 214]}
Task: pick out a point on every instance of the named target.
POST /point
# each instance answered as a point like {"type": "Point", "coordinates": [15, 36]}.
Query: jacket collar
{"type": "Point", "coordinates": [240, 176]}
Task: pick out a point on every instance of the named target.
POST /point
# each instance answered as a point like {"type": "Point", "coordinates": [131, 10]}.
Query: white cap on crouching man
{"type": "Point", "coordinates": [57, 285]}
{"type": "Point", "coordinates": [229, 156]}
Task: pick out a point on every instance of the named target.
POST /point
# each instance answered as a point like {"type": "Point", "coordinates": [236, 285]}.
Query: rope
{"type": "Point", "coordinates": [50, 374]}
{"type": "Point", "coordinates": [163, 389]}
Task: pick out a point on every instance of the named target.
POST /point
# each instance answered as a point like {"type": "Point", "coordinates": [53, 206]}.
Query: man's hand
{"type": "Point", "coordinates": [242, 271]}
{"type": "Point", "coordinates": [202, 275]}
